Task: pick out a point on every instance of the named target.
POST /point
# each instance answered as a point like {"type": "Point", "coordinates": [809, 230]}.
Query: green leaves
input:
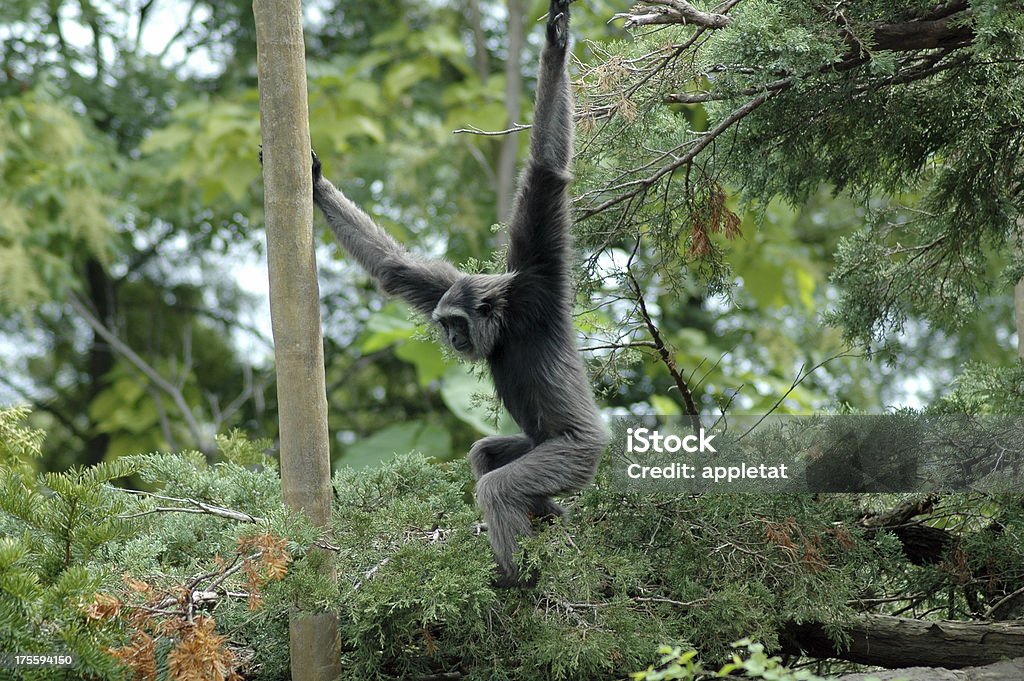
{"type": "Point", "coordinates": [430, 440]}
{"type": "Point", "coordinates": [56, 180]}
{"type": "Point", "coordinates": [467, 395]}
{"type": "Point", "coordinates": [211, 147]}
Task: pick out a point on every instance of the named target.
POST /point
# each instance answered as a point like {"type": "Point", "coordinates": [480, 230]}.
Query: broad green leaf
{"type": "Point", "coordinates": [386, 328]}
{"type": "Point", "coordinates": [426, 356]}
{"type": "Point", "coordinates": [171, 137]}
{"type": "Point", "coordinates": [442, 42]}
{"type": "Point", "coordinates": [406, 74]}
{"type": "Point", "coordinates": [363, 125]}
{"type": "Point", "coordinates": [466, 396]}
{"type": "Point", "coordinates": [401, 438]}
{"type": "Point", "coordinates": [805, 286]}
{"type": "Point", "coordinates": [664, 405]}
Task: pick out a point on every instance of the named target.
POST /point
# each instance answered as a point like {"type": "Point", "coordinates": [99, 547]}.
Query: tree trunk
{"type": "Point", "coordinates": [479, 41]}
{"type": "Point", "coordinates": [101, 356]}
{"type": "Point", "coordinates": [513, 95]}
{"type": "Point", "coordinates": [1018, 304]}
{"type": "Point", "coordinates": [893, 642]}
{"type": "Point", "coordinates": [1018, 291]}
{"type": "Point", "coordinates": [295, 306]}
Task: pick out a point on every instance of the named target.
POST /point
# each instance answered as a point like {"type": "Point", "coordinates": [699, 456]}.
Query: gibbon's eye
{"type": "Point", "coordinates": [484, 308]}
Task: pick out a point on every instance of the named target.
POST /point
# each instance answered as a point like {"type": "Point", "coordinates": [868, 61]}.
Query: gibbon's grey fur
{"type": "Point", "coordinates": [518, 321]}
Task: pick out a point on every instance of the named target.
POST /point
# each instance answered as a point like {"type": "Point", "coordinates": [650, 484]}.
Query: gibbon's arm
{"type": "Point", "coordinates": [539, 228]}
{"type": "Point", "coordinates": [418, 281]}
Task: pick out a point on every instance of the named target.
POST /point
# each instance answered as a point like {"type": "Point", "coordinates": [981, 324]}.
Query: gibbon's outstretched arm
{"type": "Point", "coordinates": [539, 228]}
{"type": "Point", "coordinates": [418, 281]}
{"type": "Point", "coordinates": [551, 137]}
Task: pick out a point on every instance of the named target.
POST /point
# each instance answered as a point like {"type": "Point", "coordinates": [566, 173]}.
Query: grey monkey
{"type": "Point", "coordinates": [518, 322]}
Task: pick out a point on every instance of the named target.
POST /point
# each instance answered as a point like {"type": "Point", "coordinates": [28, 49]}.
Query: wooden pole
{"type": "Point", "coordinates": [295, 306]}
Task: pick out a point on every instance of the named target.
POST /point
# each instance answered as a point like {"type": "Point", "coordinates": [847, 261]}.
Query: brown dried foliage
{"type": "Point", "coordinates": [711, 215]}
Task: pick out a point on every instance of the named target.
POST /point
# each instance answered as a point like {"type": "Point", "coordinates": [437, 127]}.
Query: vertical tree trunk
{"type": "Point", "coordinates": [295, 305]}
{"type": "Point", "coordinates": [513, 96]}
{"type": "Point", "coordinates": [479, 41]}
{"type": "Point", "coordinates": [101, 357]}
{"type": "Point", "coordinates": [1018, 305]}
{"type": "Point", "coordinates": [1018, 292]}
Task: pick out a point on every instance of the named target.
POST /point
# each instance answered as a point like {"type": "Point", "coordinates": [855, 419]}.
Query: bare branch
{"type": "Point", "coordinates": [148, 371]}
{"type": "Point", "coordinates": [665, 355]}
{"type": "Point", "coordinates": [189, 505]}
{"type": "Point", "coordinates": [516, 127]}
{"type": "Point", "coordinates": [800, 376]}
{"type": "Point", "coordinates": [654, 12]}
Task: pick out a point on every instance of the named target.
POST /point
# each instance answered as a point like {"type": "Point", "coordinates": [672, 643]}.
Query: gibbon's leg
{"type": "Point", "coordinates": [495, 451]}
{"type": "Point", "coordinates": [546, 509]}
{"type": "Point", "coordinates": [559, 465]}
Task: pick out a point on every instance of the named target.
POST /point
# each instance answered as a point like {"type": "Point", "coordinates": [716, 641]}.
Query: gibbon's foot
{"type": "Point", "coordinates": [524, 582]}
{"type": "Point", "coordinates": [546, 511]}
{"type": "Point", "coordinates": [558, 23]}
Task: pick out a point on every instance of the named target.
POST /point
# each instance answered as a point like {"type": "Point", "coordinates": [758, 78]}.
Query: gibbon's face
{"type": "Point", "coordinates": [469, 314]}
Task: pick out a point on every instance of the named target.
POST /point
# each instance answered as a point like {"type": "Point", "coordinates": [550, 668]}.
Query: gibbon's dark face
{"type": "Point", "coordinates": [456, 332]}
{"type": "Point", "coordinates": [469, 314]}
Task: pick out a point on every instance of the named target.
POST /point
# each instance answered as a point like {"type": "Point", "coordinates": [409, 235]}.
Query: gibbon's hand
{"type": "Point", "coordinates": [317, 170]}
{"type": "Point", "coordinates": [558, 23]}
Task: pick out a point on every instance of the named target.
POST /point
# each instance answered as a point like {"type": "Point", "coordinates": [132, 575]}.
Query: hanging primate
{"type": "Point", "coordinates": [518, 321]}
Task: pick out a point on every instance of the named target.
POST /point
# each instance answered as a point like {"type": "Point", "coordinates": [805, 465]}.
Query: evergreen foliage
{"type": "Point", "coordinates": [922, 127]}
{"type": "Point", "coordinates": [206, 565]}
{"type": "Point", "coordinates": [678, 665]}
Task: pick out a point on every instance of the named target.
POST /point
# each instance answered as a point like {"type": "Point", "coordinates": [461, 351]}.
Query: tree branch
{"type": "Point", "coordinates": [148, 371]}
{"type": "Point", "coordinates": [666, 356]}
{"type": "Point", "coordinates": [655, 12]}
{"type": "Point", "coordinates": [892, 642]}
{"type": "Point", "coordinates": [705, 140]}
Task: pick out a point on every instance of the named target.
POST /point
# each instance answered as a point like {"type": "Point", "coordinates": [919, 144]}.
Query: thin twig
{"type": "Point", "coordinates": [516, 127]}
{"type": "Point", "coordinates": [705, 140]}
{"type": "Point", "coordinates": [801, 375]}
{"type": "Point", "coordinates": [665, 355]}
